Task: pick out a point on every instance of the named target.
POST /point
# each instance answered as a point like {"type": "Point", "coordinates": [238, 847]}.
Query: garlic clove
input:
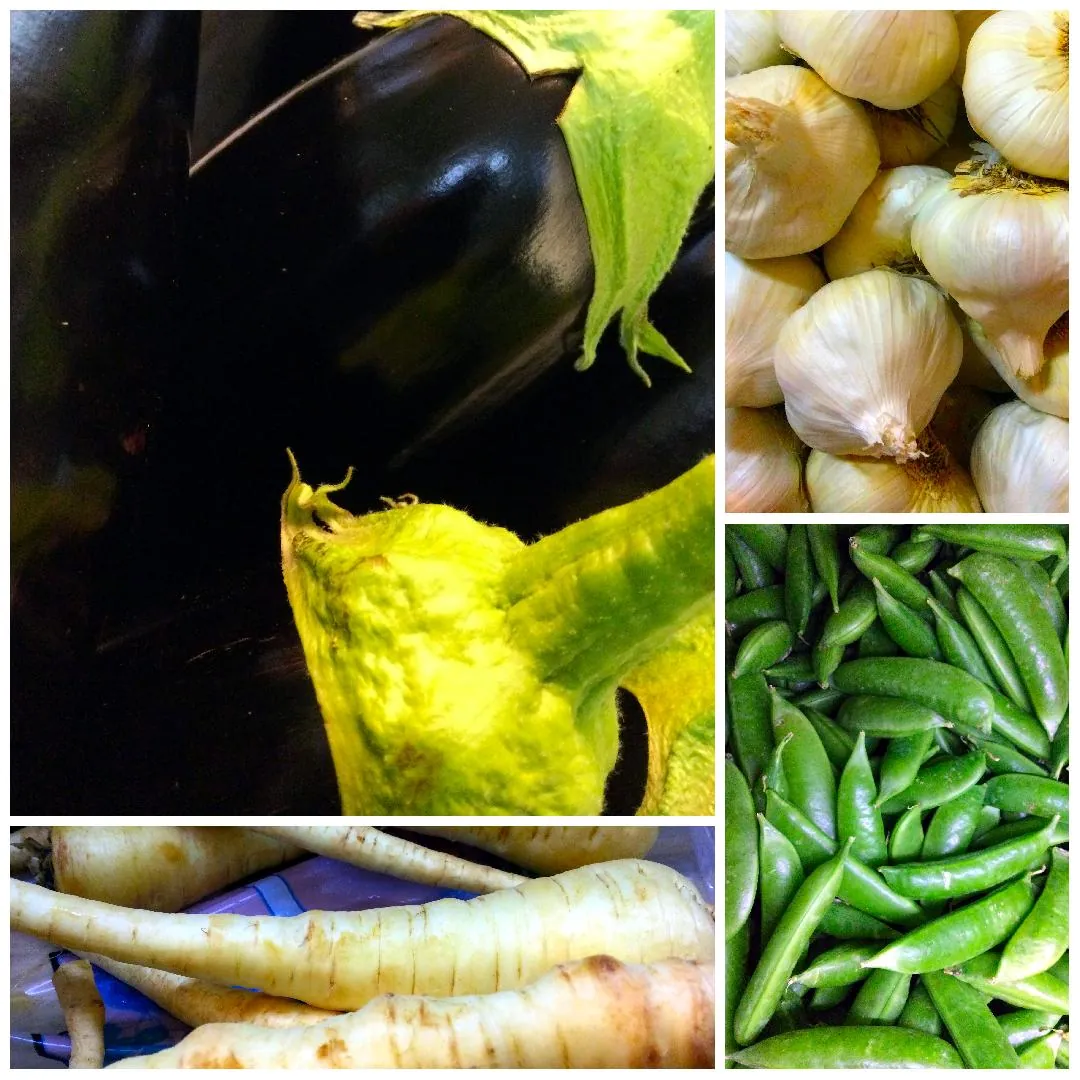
{"type": "Point", "coordinates": [763, 463]}
{"type": "Point", "coordinates": [751, 41]}
{"type": "Point", "coordinates": [912, 136]}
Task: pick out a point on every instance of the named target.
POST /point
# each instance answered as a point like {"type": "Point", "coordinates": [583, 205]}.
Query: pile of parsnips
{"type": "Point", "coordinates": [896, 278]}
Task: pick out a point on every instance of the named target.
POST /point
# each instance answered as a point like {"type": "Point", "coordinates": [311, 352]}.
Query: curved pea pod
{"type": "Point", "coordinates": [750, 720]}
{"type": "Point", "coordinates": [828, 997]}
{"type": "Point", "coordinates": [740, 850]}
{"type": "Point", "coordinates": [1018, 727]}
{"type": "Point", "coordinates": [1003, 757]}
{"type": "Point", "coordinates": [993, 648]}
{"type": "Point", "coordinates": [1043, 991]}
{"type": "Point", "coordinates": [736, 957]}
{"type": "Point", "coordinates": [807, 769]}
{"type": "Point", "coordinates": [881, 999]}
{"type": "Point", "coordinates": [857, 817]}
{"type": "Point", "coordinates": [769, 541]}
{"type": "Point", "coordinates": [900, 765]}
{"type": "Point", "coordinates": [749, 609]}
{"type": "Point", "coordinates": [1025, 1025]}
{"type": "Point", "coordinates": [826, 558]}
{"type": "Point", "coordinates": [900, 584]}
{"type": "Point", "coordinates": [764, 646]}
{"type": "Point", "coordinates": [953, 825]}
{"type": "Point", "coordinates": [781, 874]}
{"type": "Point", "coordinates": [887, 717]}
{"type": "Point", "coordinates": [1015, 609]}
{"type": "Point", "coordinates": [837, 742]}
{"type": "Point", "coordinates": [1027, 542]}
{"type": "Point", "coordinates": [1038, 795]}
{"type": "Point", "coordinates": [958, 647]}
{"type": "Point", "coordinates": [1059, 748]}
{"type": "Point", "coordinates": [1042, 938]}
{"type": "Point", "coordinates": [906, 839]}
{"type": "Point", "coordinates": [825, 700]}
{"type": "Point", "coordinates": [911, 632]}
{"type": "Point", "coordinates": [915, 555]}
{"type": "Point", "coordinates": [1048, 596]}
{"type": "Point", "coordinates": [846, 923]}
{"type": "Point", "coordinates": [753, 571]}
{"type": "Point", "coordinates": [1043, 1052]}
{"type": "Point", "coordinates": [838, 966]}
{"type": "Point", "coordinates": [939, 782]}
{"type": "Point", "coordinates": [876, 642]}
{"type": "Point", "coordinates": [856, 614]}
{"type": "Point", "coordinates": [863, 1047]}
{"type": "Point", "coordinates": [973, 1028]}
{"type": "Point", "coordinates": [919, 1012]}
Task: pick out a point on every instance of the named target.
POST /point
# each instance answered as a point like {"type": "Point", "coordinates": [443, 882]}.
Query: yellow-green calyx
{"type": "Point", "coordinates": [462, 671]}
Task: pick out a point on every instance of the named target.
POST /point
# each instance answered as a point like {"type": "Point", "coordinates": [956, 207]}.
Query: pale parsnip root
{"type": "Point", "coordinates": [593, 1013]}
{"type": "Point", "coordinates": [550, 849]}
{"type": "Point", "coordinates": [159, 867]}
{"type": "Point", "coordinates": [375, 850]}
{"type": "Point", "coordinates": [84, 1014]}
{"type": "Point", "coordinates": [195, 1002]}
{"type": "Point", "coordinates": [636, 911]}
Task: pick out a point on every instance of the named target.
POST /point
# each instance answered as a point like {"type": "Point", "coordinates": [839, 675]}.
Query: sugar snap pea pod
{"type": "Point", "coordinates": [1042, 938]}
{"type": "Point", "coordinates": [876, 642]}
{"type": "Point", "coordinates": [825, 661]}
{"type": "Point", "coordinates": [953, 825]}
{"type": "Point", "coordinates": [838, 743]}
{"type": "Point", "coordinates": [872, 1046]}
{"type": "Point", "coordinates": [763, 647]}
{"type": "Point", "coordinates": [915, 556]}
{"type": "Point", "coordinates": [838, 966]}
{"type": "Point", "coordinates": [846, 923]}
{"type": "Point", "coordinates": [769, 541]}
{"type": "Point", "coordinates": [809, 774]}
{"type": "Point", "coordinates": [919, 1013]}
{"type": "Point", "coordinates": [785, 946]}
{"type": "Point", "coordinates": [901, 763]}
{"type": "Point", "coordinates": [826, 556]}
{"type": "Point", "coordinates": [1009, 830]}
{"type": "Point", "coordinates": [798, 579]}
{"type": "Point", "coordinates": [1022, 1026]}
{"type": "Point", "coordinates": [857, 613]}
{"type": "Point", "coordinates": [1018, 727]}
{"type": "Point", "coordinates": [754, 571]}
{"type": "Point", "coordinates": [1042, 1053]}
{"type": "Point", "coordinates": [1002, 757]}
{"type": "Point", "coordinates": [1028, 542]}
{"type": "Point", "coordinates": [973, 1028]}
{"type": "Point", "coordinates": [989, 818]}
{"type": "Point", "coordinates": [1043, 991]}
{"type": "Point", "coordinates": [939, 782]}
{"type": "Point", "coordinates": [958, 647]}
{"type": "Point", "coordinates": [906, 838]}
{"type": "Point", "coordinates": [828, 997]}
{"type": "Point", "coordinates": [887, 717]}
{"type": "Point", "coordinates": [749, 609]}
{"type": "Point", "coordinates": [993, 648]}
{"type": "Point", "coordinates": [1037, 795]}
{"type": "Point", "coordinates": [879, 539]}
{"type": "Point", "coordinates": [856, 815]}
{"type": "Point", "coordinates": [963, 875]}
{"type": "Point", "coordinates": [894, 578]}
{"type": "Point", "coordinates": [1048, 596]}
{"type": "Point", "coordinates": [781, 874]}
{"type": "Point", "coordinates": [943, 593]}
{"type": "Point", "coordinates": [774, 778]}
{"type": "Point", "coordinates": [824, 700]}
{"type": "Point", "coordinates": [911, 632]}
{"type": "Point", "coordinates": [740, 850]}
{"type": "Point", "coordinates": [950, 692]}
{"type": "Point", "coordinates": [961, 935]}
{"type": "Point", "coordinates": [880, 1000]}
{"type": "Point", "coordinates": [1059, 748]}
{"type": "Point", "coordinates": [750, 720]}
{"type": "Point", "coordinates": [736, 957]}
{"type": "Point", "coordinates": [862, 887]}
{"type": "Point", "coordinates": [731, 576]}
{"type": "Point", "coordinates": [1014, 607]}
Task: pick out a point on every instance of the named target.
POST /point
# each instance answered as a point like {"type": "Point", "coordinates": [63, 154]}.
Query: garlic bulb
{"type": "Point", "coordinates": [759, 295]}
{"type": "Point", "coordinates": [878, 230]}
{"type": "Point", "coordinates": [912, 136]}
{"type": "Point", "coordinates": [998, 241]}
{"type": "Point", "coordinates": [967, 22]}
{"type": "Point", "coordinates": [1020, 461]}
{"type": "Point", "coordinates": [763, 463]}
{"type": "Point", "coordinates": [934, 483]}
{"type": "Point", "coordinates": [863, 364]}
{"type": "Point", "coordinates": [1049, 390]}
{"type": "Point", "coordinates": [797, 156]}
{"type": "Point", "coordinates": [751, 41]}
{"type": "Point", "coordinates": [894, 59]}
{"type": "Point", "coordinates": [1016, 89]}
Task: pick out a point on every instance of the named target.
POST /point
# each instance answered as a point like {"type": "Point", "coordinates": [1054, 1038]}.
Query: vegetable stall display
{"type": "Point", "coordinates": [896, 211]}
{"type": "Point", "coordinates": [896, 796]}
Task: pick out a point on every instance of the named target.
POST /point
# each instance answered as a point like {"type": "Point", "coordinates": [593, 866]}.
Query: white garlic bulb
{"type": "Point", "coordinates": [759, 295]}
{"type": "Point", "coordinates": [751, 41]}
{"type": "Point", "coordinates": [863, 364]}
{"type": "Point", "coordinates": [912, 136]}
{"type": "Point", "coordinates": [894, 59]}
{"type": "Point", "coordinates": [1049, 390]}
{"type": "Point", "coordinates": [934, 483]}
{"type": "Point", "coordinates": [797, 156]}
{"type": "Point", "coordinates": [1016, 89]}
{"type": "Point", "coordinates": [763, 463]}
{"type": "Point", "coordinates": [878, 230]}
{"type": "Point", "coordinates": [1020, 461]}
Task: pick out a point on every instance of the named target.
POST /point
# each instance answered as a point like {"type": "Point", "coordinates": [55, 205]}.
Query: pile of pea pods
{"type": "Point", "coordinates": [896, 796]}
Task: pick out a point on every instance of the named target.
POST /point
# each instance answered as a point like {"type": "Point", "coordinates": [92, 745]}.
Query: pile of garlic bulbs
{"type": "Point", "coordinates": [896, 222]}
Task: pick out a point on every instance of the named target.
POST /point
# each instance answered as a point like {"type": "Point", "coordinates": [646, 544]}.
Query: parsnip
{"type": "Point", "coordinates": [593, 1013]}
{"type": "Point", "coordinates": [84, 1014]}
{"type": "Point", "coordinates": [636, 911]}
{"type": "Point", "coordinates": [549, 849]}
{"type": "Point", "coordinates": [376, 850]}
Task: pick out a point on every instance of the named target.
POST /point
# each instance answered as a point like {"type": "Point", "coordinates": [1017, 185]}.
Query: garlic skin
{"type": "Point", "coordinates": [1016, 89]}
{"type": "Point", "coordinates": [759, 295]}
{"type": "Point", "coordinates": [864, 363]}
{"type": "Point", "coordinates": [763, 464]}
{"type": "Point", "coordinates": [931, 484]}
{"type": "Point", "coordinates": [967, 22]}
{"type": "Point", "coordinates": [751, 41]}
{"type": "Point", "coordinates": [893, 59]}
{"type": "Point", "coordinates": [797, 156]}
{"type": "Point", "coordinates": [912, 136]}
{"type": "Point", "coordinates": [1020, 461]}
{"type": "Point", "coordinates": [1049, 390]}
{"type": "Point", "coordinates": [999, 243]}
{"type": "Point", "coordinates": [878, 230]}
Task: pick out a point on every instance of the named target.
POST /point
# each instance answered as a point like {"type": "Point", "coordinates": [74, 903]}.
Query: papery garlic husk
{"type": "Point", "coordinates": [998, 242]}
{"type": "Point", "coordinates": [893, 59]}
{"type": "Point", "coordinates": [759, 295]}
{"type": "Point", "coordinates": [1016, 89]}
{"type": "Point", "coordinates": [1020, 461]}
{"type": "Point", "coordinates": [797, 156]}
{"type": "Point", "coordinates": [751, 41]}
{"type": "Point", "coordinates": [912, 136]}
{"type": "Point", "coordinates": [1049, 390]}
{"type": "Point", "coordinates": [967, 22]}
{"type": "Point", "coordinates": [878, 231]}
{"type": "Point", "coordinates": [763, 464]}
{"type": "Point", "coordinates": [934, 483]}
{"type": "Point", "coordinates": [864, 363]}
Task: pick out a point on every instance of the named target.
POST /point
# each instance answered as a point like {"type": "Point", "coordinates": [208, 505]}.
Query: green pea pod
{"type": "Point", "coordinates": [953, 825]}
{"type": "Point", "coordinates": [1027, 542]}
{"type": "Point", "coordinates": [793, 670]}
{"type": "Point", "coordinates": [939, 782]}
{"type": "Point", "coordinates": [785, 946]}
{"type": "Point", "coordinates": [871, 1046]}
{"type": "Point", "coordinates": [750, 720]}
{"type": "Point", "coordinates": [809, 774]}
{"type": "Point", "coordinates": [1018, 727]}
{"type": "Point", "coordinates": [910, 631]}
{"type": "Point", "coordinates": [828, 997]}
{"type": "Point", "coordinates": [856, 815]}
{"type": "Point", "coordinates": [876, 642]}
{"type": "Point", "coordinates": [879, 539]}
{"type": "Point", "coordinates": [1001, 757]}
{"type": "Point", "coordinates": [1023, 1026]}
{"type": "Point", "coordinates": [1059, 748]}
{"type": "Point", "coordinates": [856, 615]}
{"type": "Point", "coordinates": [1061, 969]}
{"type": "Point", "coordinates": [963, 875]}
{"type": "Point", "coordinates": [973, 1028]}
{"type": "Point", "coordinates": [943, 593]}
{"type": "Point", "coordinates": [798, 579]}
{"type": "Point", "coordinates": [781, 874]}
{"type": "Point", "coordinates": [824, 700]}
{"type": "Point", "coordinates": [881, 999]}
{"type": "Point", "coordinates": [1009, 830]}
{"type": "Point", "coordinates": [845, 923]}
{"type": "Point", "coordinates": [919, 1013]}
{"type": "Point", "coordinates": [954, 694]}
{"type": "Point", "coordinates": [1043, 991]}
{"type": "Point", "coordinates": [826, 556]}
{"type": "Point", "coordinates": [774, 778]}
{"type": "Point", "coordinates": [962, 934]}
{"type": "Point", "coordinates": [740, 850]}
{"type": "Point", "coordinates": [825, 662]}
{"type": "Point", "coordinates": [1029, 795]}
{"type": "Point", "coordinates": [1048, 596]}
{"type": "Point", "coordinates": [906, 839]}
{"type": "Point", "coordinates": [731, 576]}
{"type": "Point", "coordinates": [1042, 938]}
{"type": "Point", "coordinates": [901, 763]}
{"type": "Point", "coordinates": [1042, 1053]}
{"type": "Point", "coordinates": [886, 717]}
{"type": "Point", "coordinates": [1015, 609]}
{"type": "Point", "coordinates": [750, 609]}
{"type": "Point", "coordinates": [958, 647]}
{"type": "Point", "coordinates": [914, 555]}
{"type": "Point", "coordinates": [993, 648]}
{"type": "Point", "coordinates": [755, 572]}
{"type": "Point", "coordinates": [736, 958]}
{"type": "Point", "coordinates": [838, 966]}
{"type": "Point", "coordinates": [837, 742]}
{"type": "Point", "coordinates": [763, 647]}
{"type": "Point", "coordinates": [768, 541]}
{"type": "Point", "coordinates": [894, 578]}
{"type": "Point", "coordinates": [989, 818]}
{"type": "Point", "coordinates": [1059, 577]}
